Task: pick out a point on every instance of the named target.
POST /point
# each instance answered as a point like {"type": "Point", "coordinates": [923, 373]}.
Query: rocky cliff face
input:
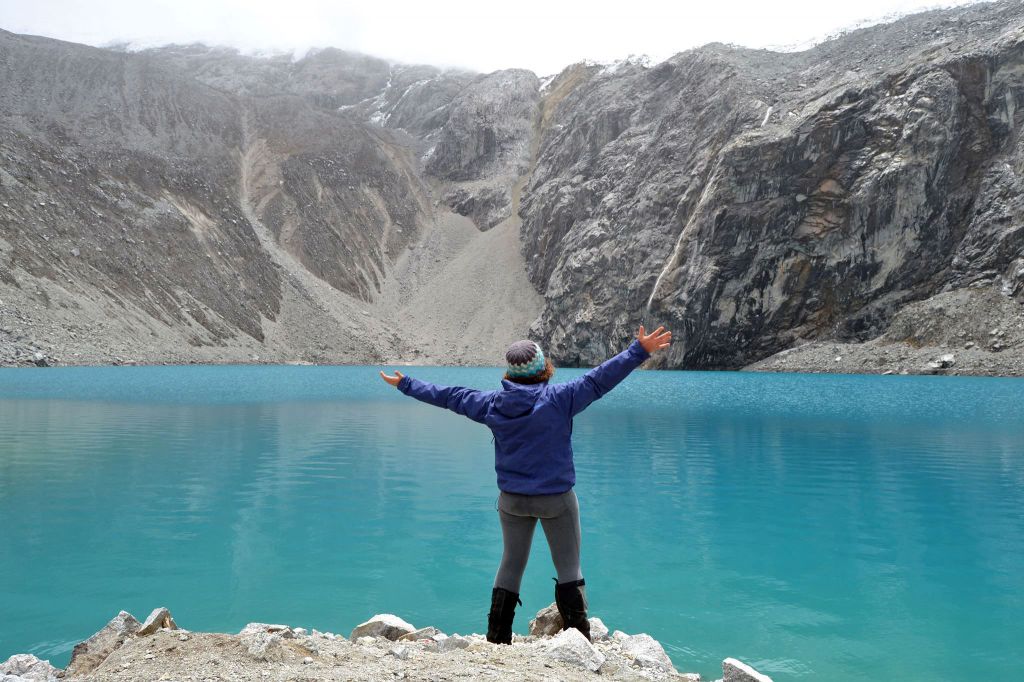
{"type": "Point", "coordinates": [299, 209]}
{"type": "Point", "coordinates": [754, 201]}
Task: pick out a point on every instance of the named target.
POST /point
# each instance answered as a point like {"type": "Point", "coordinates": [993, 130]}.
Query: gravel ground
{"type": "Point", "coordinates": [212, 656]}
{"type": "Point", "coordinates": [384, 648]}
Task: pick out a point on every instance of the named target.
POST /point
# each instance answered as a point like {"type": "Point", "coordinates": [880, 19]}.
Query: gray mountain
{"type": "Point", "coordinates": [851, 207]}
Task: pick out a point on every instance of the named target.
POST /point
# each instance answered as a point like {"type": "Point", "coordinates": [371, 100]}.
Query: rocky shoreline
{"type": "Point", "coordinates": [383, 648]}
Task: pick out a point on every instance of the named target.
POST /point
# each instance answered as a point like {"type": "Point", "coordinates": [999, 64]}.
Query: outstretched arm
{"type": "Point", "coordinates": [582, 391]}
{"type": "Point", "coordinates": [465, 401]}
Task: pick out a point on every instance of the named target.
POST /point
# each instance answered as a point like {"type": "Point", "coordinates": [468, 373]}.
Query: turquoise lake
{"type": "Point", "coordinates": [819, 527]}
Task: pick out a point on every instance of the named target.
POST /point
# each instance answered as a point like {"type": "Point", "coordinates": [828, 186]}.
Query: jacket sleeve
{"type": "Point", "coordinates": [581, 391]}
{"type": "Point", "coordinates": [465, 401]}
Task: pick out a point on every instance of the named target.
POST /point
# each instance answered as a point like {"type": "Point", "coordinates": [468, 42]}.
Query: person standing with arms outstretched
{"type": "Point", "coordinates": [532, 425]}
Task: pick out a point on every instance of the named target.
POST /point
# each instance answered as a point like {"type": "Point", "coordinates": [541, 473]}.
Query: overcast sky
{"type": "Point", "coordinates": [542, 35]}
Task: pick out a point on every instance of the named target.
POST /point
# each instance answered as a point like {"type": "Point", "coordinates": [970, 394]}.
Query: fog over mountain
{"type": "Point", "coordinates": [190, 203]}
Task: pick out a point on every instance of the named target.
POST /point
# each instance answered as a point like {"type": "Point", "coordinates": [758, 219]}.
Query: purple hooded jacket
{"type": "Point", "coordinates": [531, 423]}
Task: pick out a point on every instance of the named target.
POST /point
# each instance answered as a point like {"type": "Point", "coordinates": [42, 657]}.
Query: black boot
{"type": "Point", "coordinates": [503, 611]}
{"type": "Point", "coordinates": [571, 601]}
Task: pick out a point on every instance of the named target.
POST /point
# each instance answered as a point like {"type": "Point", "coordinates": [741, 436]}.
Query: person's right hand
{"type": "Point", "coordinates": [656, 340]}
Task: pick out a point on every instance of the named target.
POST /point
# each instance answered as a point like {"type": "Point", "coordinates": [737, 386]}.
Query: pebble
{"type": "Point", "coordinates": [307, 660]}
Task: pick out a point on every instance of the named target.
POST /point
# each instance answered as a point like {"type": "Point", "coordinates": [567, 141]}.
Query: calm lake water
{"type": "Point", "coordinates": [818, 527]}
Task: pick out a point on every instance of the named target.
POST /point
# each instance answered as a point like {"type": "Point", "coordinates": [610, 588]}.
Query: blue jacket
{"type": "Point", "coordinates": [531, 423]}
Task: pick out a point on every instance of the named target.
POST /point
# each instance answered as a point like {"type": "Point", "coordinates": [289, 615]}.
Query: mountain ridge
{"type": "Point", "coordinates": [756, 201]}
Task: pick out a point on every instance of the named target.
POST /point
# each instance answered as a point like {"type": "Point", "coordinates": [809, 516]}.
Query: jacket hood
{"type": "Point", "coordinates": [517, 399]}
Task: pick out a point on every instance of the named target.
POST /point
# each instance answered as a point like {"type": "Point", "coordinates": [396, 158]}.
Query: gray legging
{"type": "Point", "coordinates": [559, 514]}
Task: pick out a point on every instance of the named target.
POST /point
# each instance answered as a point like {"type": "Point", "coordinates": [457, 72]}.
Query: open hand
{"type": "Point", "coordinates": [656, 340]}
{"type": "Point", "coordinates": [392, 380]}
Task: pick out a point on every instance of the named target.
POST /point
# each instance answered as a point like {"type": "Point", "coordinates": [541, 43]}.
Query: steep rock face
{"type": "Point", "coordinates": [113, 180]}
{"type": "Point", "coordinates": [751, 199]}
{"type": "Point", "coordinates": [162, 200]}
{"type": "Point", "coordinates": [484, 146]}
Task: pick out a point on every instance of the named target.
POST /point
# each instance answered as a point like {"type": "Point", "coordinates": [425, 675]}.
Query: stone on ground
{"type": "Point", "coordinates": [422, 633]}
{"type": "Point", "coordinates": [263, 640]}
{"type": "Point", "coordinates": [737, 671]}
{"type": "Point", "coordinates": [385, 625]}
{"type": "Point", "coordinates": [570, 646]}
{"type": "Point", "coordinates": [29, 668]}
{"type": "Point", "coordinates": [598, 630]}
{"type": "Point", "coordinates": [646, 652]}
{"type": "Point", "coordinates": [547, 622]}
{"type": "Point", "coordinates": [456, 641]}
{"type": "Point", "coordinates": [159, 618]}
{"type": "Point", "coordinates": [90, 654]}
{"type": "Point", "coordinates": [253, 628]}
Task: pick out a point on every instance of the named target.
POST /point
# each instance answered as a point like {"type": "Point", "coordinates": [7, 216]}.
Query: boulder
{"type": "Point", "coordinates": [547, 622]}
{"type": "Point", "coordinates": [598, 630]}
{"type": "Point", "coordinates": [570, 646]}
{"type": "Point", "coordinates": [422, 633]}
{"type": "Point", "coordinates": [28, 667]}
{"type": "Point", "coordinates": [454, 642]}
{"type": "Point", "coordinates": [385, 625]}
{"type": "Point", "coordinates": [263, 641]}
{"type": "Point", "coordinates": [253, 628]}
{"type": "Point", "coordinates": [737, 671]}
{"type": "Point", "coordinates": [646, 652]}
{"type": "Point", "coordinates": [88, 655]}
{"type": "Point", "coordinates": [159, 618]}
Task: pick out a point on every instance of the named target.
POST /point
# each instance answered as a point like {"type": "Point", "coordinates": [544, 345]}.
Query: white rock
{"type": "Point", "coordinates": [385, 625]}
{"type": "Point", "coordinates": [307, 660]}
{"type": "Point", "coordinates": [299, 632]}
{"type": "Point", "coordinates": [646, 652]}
{"type": "Point", "coordinates": [570, 646]}
{"type": "Point", "coordinates": [263, 640]}
{"type": "Point", "coordinates": [366, 641]}
{"type": "Point", "coordinates": [400, 652]}
{"type": "Point", "coordinates": [283, 630]}
{"type": "Point", "coordinates": [598, 630]}
{"type": "Point", "coordinates": [737, 671]}
{"type": "Point", "coordinates": [158, 618]}
{"type": "Point", "coordinates": [29, 668]}
{"type": "Point", "coordinates": [456, 641]}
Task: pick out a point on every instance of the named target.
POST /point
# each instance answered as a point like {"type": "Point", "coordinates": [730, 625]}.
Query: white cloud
{"type": "Point", "coordinates": [542, 35]}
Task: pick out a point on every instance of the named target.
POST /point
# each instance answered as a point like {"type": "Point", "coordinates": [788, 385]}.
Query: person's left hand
{"type": "Point", "coordinates": [391, 380]}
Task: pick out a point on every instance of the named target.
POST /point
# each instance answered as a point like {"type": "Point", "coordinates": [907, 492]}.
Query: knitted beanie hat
{"type": "Point", "coordinates": [525, 359]}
